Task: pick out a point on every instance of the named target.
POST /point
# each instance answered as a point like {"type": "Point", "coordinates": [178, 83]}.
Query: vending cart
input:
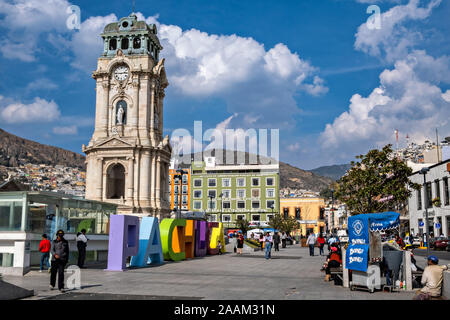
{"type": "Point", "coordinates": [364, 255]}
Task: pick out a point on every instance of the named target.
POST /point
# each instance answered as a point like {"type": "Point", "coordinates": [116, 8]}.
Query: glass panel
{"type": "Point", "coordinates": [10, 215]}
{"type": "Point", "coordinates": [112, 44]}
{"type": "Point", "coordinates": [6, 259]}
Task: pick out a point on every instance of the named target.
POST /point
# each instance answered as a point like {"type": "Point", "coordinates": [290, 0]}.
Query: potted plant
{"type": "Point", "coordinates": [436, 202]}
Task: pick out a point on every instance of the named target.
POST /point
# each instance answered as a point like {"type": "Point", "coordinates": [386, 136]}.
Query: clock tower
{"type": "Point", "coordinates": [127, 157]}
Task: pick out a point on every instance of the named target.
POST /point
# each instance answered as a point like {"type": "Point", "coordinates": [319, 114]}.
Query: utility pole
{"type": "Point", "coordinates": [427, 228]}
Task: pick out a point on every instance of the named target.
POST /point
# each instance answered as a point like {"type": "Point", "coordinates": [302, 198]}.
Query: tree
{"type": "Point", "coordinates": [284, 224]}
{"type": "Point", "coordinates": [244, 225]}
{"type": "Point", "coordinates": [378, 182]}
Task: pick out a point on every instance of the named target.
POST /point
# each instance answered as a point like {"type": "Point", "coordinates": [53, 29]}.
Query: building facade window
{"type": "Point", "coordinates": [226, 182]}
{"type": "Point", "coordinates": [255, 193]}
{"type": "Point", "coordinates": [269, 217]}
{"type": "Point", "coordinates": [212, 182]}
{"type": "Point", "coordinates": [197, 194]}
{"type": "Point", "coordinates": [197, 182]}
{"type": "Point", "coordinates": [446, 192]}
{"type": "Point", "coordinates": [226, 205]}
{"type": "Point", "coordinates": [285, 213]}
{"type": "Point", "coordinates": [270, 193]}
{"type": "Point", "coordinates": [175, 189]}
{"type": "Point", "coordinates": [185, 179]}
{"type": "Point", "coordinates": [255, 182]}
{"type": "Point", "coordinates": [270, 204]}
{"type": "Point", "coordinates": [185, 199]}
{"type": "Point", "coordinates": [213, 218]}
{"type": "Point", "coordinates": [437, 188]}
{"type": "Point", "coordinates": [240, 182]}
{"type": "Point", "coordinates": [197, 205]}
{"type": "Point", "coordinates": [269, 182]}
{"type": "Point", "coordinates": [429, 195]}
{"type": "Point", "coordinates": [226, 218]}
{"type": "Point", "coordinates": [185, 189]}
{"type": "Point", "coordinates": [256, 217]}
{"type": "Point", "coordinates": [255, 205]}
{"type": "Point", "coordinates": [241, 204]}
{"type": "Point", "coordinates": [297, 213]}
{"type": "Point", "coordinates": [240, 217]}
{"type": "Point", "coordinates": [211, 205]}
{"type": "Point", "coordinates": [240, 193]}
{"type": "Point", "coordinates": [226, 194]}
{"type": "Point", "coordinates": [211, 193]}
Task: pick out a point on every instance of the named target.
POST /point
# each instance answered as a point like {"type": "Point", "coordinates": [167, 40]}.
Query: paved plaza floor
{"type": "Point", "coordinates": [291, 274]}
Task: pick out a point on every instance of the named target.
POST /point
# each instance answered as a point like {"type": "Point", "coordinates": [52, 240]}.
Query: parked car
{"type": "Point", "coordinates": [441, 243]}
{"type": "Point", "coordinates": [415, 242]}
{"type": "Point", "coordinates": [448, 246]}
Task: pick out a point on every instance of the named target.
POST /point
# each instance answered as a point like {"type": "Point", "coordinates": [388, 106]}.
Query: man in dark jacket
{"type": "Point", "coordinates": [276, 241]}
{"type": "Point", "coordinates": [60, 256]}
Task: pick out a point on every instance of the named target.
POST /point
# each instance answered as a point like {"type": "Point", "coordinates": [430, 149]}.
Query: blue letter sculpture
{"type": "Point", "coordinates": [150, 249]}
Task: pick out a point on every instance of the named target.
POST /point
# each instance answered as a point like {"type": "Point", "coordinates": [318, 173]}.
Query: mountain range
{"type": "Point", "coordinates": [16, 151]}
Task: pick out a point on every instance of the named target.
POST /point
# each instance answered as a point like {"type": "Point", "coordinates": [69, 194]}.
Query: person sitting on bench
{"type": "Point", "coordinates": [334, 260]}
{"type": "Point", "coordinates": [432, 279]}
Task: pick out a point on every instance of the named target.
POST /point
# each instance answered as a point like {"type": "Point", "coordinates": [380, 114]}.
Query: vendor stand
{"type": "Point", "coordinates": [364, 254]}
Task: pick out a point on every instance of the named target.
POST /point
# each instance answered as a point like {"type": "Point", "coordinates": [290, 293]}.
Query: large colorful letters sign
{"type": "Point", "coordinates": [201, 230]}
{"type": "Point", "coordinates": [172, 237]}
{"type": "Point", "coordinates": [123, 241]}
{"type": "Point", "coordinates": [213, 237]}
{"type": "Point", "coordinates": [189, 239]}
{"type": "Point", "coordinates": [151, 243]}
{"type": "Point", "coordinates": [150, 251]}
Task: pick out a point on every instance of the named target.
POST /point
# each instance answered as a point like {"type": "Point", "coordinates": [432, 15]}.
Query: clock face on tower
{"type": "Point", "coordinates": [121, 73]}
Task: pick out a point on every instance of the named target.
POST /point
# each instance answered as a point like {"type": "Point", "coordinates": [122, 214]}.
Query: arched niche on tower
{"type": "Point", "coordinates": [116, 173]}
{"type": "Point", "coordinates": [116, 101]}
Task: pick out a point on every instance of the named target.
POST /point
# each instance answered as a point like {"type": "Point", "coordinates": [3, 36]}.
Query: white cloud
{"type": "Point", "coordinates": [294, 147]}
{"type": "Point", "coordinates": [39, 110]}
{"type": "Point", "coordinates": [407, 99]}
{"type": "Point", "coordinates": [41, 84]}
{"type": "Point", "coordinates": [69, 130]}
{"type": "Point", "coordinates": [26, 22]}
{"type": "Point", "coordinates": [86, 44]}
{"type": "Point", "coordinates": [393, 40]}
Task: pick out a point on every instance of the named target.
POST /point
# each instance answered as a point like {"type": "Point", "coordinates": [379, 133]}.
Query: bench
{"type": "Point", "coordinates": [337, 272]}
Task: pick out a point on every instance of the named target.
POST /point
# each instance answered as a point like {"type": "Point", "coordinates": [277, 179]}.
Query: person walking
{"type": "Point", "coordinates": [44, 249]}
{"type": "Point", "coordinates": [240, 244]}
{"type": "Point", "coordinates": [283, 239]}
{"type": "Point", "coordinates": [81, 246]}
{"type": "Point", "coordinates": [321, 242]}
{"type": "Point", "coordinates": [310, 242]}
{"type": "Point", "coordinates": [60, 256]}
{"type": "Point", "coordinates": [276, 241]}
{"type": "Point", "coordinates": [235, 242]}
{"type": "Point", "coordinates": [268, 245]}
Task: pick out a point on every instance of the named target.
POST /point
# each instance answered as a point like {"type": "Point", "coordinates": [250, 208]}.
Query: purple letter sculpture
{"type": "Point", "coordinates": [123, 241]}
{"type": "Point", "coordinates": [200, 238]}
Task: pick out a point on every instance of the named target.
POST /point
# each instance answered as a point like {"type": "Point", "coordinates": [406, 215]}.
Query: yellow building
{"type": "Point", "coordinates": [310, 212]}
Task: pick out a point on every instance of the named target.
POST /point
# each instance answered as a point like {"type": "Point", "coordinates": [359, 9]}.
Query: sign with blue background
{"type": "Point", "coordinates": [356, 257]}
{"type": "Point", "coordinates": [358, 230]}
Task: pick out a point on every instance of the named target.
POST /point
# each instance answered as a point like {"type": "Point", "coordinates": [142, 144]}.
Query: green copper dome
{"type": "Point", "coordinates": [133, 37]}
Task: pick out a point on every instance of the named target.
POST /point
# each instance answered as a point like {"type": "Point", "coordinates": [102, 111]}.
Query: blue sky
{"type": "Point", "coordinates": [314, 69]}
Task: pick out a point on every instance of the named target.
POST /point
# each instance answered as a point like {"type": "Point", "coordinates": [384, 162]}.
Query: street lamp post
{"type": "Point", "coordinates": [210, 202]}
{"type": "Point", "coordinates": [332, 211]}
{"type": "Point", "coordinates": [427, 228]}
{"type": "Point", "coordinates": [180, 172]}
{"type": "Point", "coordinates": [221, 204]}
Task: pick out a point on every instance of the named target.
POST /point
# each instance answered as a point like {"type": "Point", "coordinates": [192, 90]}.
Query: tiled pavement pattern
{"type": "Point", "coordinates": [291, 274]}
